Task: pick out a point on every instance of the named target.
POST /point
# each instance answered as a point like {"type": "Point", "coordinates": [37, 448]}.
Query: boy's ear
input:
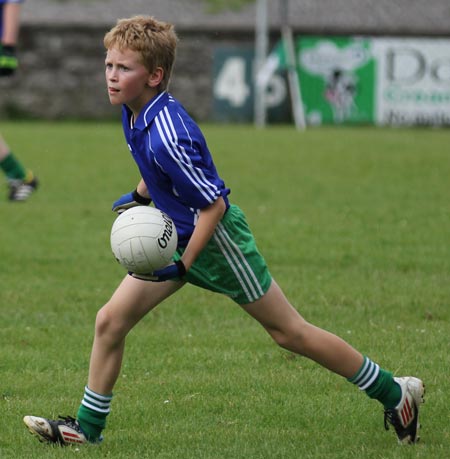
{"type": "Point", "coordinates": [155, 77]}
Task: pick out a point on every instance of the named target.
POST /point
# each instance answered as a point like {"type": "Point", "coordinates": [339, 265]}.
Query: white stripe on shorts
{"type": "Point", "coordinates": [236, 259]}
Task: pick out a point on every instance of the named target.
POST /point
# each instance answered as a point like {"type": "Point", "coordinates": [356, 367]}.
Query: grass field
{"type": "Point", "coordinates": [354, 224]}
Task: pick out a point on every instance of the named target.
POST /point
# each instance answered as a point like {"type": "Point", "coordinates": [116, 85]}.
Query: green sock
{"type": "Point", "coordinates": [12, 167]}
{"type": "Point", "coordinates": [377, 383]}
{"type": "Point", "coordinates": [385, 390]}
{"type": "Point", "coordinates": [91, 422]}
{"type": "Point", "coordinates": [92, 413]}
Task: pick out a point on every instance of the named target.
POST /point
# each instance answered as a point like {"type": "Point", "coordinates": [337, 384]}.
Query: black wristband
{"type": "Point", "coordinates": [181, 268]}
{"type": "Point", "coordinates": [141, 199]}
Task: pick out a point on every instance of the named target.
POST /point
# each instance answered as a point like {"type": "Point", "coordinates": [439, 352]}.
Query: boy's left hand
{"type": "Point", "coordinates": [174, 271]}
{"type": "Point", "coordinates": [131, 199]}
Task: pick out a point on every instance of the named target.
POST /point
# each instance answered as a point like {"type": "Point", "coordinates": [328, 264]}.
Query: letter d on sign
{"type": "Point", "coordinates": [405, 65]}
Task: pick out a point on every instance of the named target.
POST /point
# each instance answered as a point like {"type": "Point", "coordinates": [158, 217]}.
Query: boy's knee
{"type": "Point", "coordinates": [292, 338]}
{"type": "Point", "coordinates": [102, 322]}
{"type": "Point", "coordinates": [106, 324]}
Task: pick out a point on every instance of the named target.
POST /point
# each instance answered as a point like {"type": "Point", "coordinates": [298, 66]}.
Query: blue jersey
{"type": "Point", "coordinates": [2, 3]}
{"type": "Point", "coordinates": [174, 161]}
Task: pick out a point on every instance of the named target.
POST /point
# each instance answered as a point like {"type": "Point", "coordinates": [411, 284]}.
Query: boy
{"type": "Point", "coordinates": [216, 249]}
{"type": "Point", "coordinates": [21, 182]}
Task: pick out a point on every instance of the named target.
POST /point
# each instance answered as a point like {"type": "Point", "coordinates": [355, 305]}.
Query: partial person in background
{"type": "Point", "coordinates": [21, 181]}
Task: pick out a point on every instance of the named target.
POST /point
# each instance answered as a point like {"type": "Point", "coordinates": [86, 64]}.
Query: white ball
{"type": "Point", "coordinates": [143, 239]}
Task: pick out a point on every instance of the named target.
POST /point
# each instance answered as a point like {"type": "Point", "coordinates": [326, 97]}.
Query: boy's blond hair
{"type": "Point", "coordinates": [155, 40]}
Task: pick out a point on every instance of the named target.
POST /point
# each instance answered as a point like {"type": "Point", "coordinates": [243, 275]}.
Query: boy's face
{"type": "Point", "coordinates": [128, 81]}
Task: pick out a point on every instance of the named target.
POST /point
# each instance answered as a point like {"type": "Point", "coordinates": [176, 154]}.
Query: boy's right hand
{"type": "Point", "coordinates": [128, 200]}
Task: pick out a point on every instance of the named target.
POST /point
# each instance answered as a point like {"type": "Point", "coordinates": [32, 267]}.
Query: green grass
{"type": "Point", "coordinates": [354, 224]}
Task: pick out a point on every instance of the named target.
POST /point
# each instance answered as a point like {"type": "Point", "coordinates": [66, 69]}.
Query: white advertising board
{"type": "Point", "coordinates": [412, 82]}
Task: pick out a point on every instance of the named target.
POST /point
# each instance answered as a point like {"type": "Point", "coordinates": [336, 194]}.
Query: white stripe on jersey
{"type": "Point", "coordinates": [182, 152]}
{"type": "Point", "coordinates": [200, 171]}
{"type": "Point", "coordinates": [151, 105]}
{"type": "Point", "coordinates": [168, 135]}
{"type": "Point", "coordinates": [186, 129]}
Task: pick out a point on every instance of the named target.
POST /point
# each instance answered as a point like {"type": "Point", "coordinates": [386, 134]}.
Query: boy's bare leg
{"type": "Point", "coordinates": [11, 23]}
{"type": "Point", "coordinates": [401, 397]}
{"type": "Point", "coordinates": [132, 300]}
{"type": "Point", "coordinates": [4, 148]}
{"type": "Point", "coordinates": [288, 328]}
{"type": "Point", "coordinates": [129, 303]}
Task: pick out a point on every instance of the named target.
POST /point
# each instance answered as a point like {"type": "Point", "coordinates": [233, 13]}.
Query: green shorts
{"type": "Point", "coordinates": [230, 263]}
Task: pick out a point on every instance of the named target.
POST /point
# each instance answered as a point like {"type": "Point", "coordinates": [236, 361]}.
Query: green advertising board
{"type": "Point", "coordinates": [337, 79]}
